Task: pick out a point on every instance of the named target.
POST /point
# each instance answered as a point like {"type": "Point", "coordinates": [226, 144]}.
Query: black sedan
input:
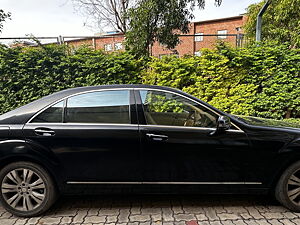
{"type": "Point", "coordinates": [140, 138]}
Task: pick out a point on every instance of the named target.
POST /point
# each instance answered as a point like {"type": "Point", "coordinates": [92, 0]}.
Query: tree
{"type": "Point", "coordinates": [280, 21]}
{"type": "Point", "coordinates": [159, 20]}
{"type": "Point", "coordinates": [3, 17]}
{"type": "Point", "coordinates": [106, 13]}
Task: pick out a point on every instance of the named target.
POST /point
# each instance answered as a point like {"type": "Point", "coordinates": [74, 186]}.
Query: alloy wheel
{"type": "Point", "coordinates": [23, 189]}
{"type": "Point", "coordinates": [293, 187]}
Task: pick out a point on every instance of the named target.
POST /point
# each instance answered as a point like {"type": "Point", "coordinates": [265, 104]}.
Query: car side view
{"type": "Point", "coordinates": [140, 138]}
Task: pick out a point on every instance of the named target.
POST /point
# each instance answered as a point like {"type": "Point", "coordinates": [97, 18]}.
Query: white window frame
{"type": "Point", "coordinates": [108, 47]}
{"type": "Point", "coordinates": [120, 44]}
{"type": "Point", "coordinates": [198, 38]}
{"type": "Point", "coordinates": [222, 32]}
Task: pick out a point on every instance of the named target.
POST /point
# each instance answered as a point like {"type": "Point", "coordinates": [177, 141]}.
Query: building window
{"type": "Point", "coordinates": [108, 47]}
{"type": "Point", "coordinates": [222, 32]}
{"type": "Point", "coordinates": [198, 53]}
{"type": "Point", "coordinates": [198, 38]}
{"type": "Point", "coordinates": [118, 46]}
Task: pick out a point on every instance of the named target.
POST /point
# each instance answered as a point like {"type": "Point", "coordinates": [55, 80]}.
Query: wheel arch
{"type": "Point", "coordinates": [17, 150]}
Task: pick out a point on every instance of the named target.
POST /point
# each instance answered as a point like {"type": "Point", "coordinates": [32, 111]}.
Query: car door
{"type": "Point", "coordinates": [94, 136]}
{"type": "Point", "coordinates": [177, 144]}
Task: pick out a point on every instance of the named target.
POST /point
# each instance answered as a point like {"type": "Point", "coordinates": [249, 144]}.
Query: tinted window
{"type": "Point", "coordinates": [162, 108]}
{"type": "Point", "coordinates": [54, 114]}
{"type": "Point", "coordinates": [99, 107]}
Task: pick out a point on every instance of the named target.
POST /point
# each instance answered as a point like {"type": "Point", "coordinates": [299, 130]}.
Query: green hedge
{"type": "Point", "coordinates": [27, 74]}
{"type": "Point", "coordinates": [258, 80]}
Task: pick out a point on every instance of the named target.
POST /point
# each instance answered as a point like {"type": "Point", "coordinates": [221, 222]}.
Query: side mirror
{"type": "Point", "coordinates": [223, 123]}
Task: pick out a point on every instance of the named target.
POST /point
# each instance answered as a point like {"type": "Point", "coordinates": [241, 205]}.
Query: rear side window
{"type": "Point", "coordinates": [53, 114]}
{"type": "Point", "coordinates": [99, 107]}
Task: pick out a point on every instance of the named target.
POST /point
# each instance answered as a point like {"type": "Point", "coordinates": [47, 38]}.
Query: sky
{"type": "Point", "coordinates": [58, 17]}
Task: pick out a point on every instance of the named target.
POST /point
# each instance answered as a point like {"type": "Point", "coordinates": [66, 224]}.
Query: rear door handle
{"type": "Point", "coordinates": [44, 132]}
{"type": "Point", "coordinates": [157, 137]}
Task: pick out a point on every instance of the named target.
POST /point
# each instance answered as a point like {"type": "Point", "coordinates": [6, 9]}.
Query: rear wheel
{"type": "Point", "coordinates": [26, 189]}
{"type": "Point", "coordinates": [287, 191]}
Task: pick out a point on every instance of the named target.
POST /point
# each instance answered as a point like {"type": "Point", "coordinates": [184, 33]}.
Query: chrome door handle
{"type": "Point", "coordinates": [157, 137]}
{"type": "Point", "coordinates": [44, 132]}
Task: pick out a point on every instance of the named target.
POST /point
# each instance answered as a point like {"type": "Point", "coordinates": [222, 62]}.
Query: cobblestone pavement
{"type": "Point", "coordinates": [167, 210]}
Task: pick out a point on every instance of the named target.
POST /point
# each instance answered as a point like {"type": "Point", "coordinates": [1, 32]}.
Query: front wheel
{"type": "Point", "coordinates": [287, 190]}
{"type": "Point", "coordinates": [26, 189]}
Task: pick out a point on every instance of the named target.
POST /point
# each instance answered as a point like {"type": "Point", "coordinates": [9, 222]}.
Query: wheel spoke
{"type": "Point", "coordinates": [38, 186]}
{"type": "Point", "coordinates": [294, 193]}
{"type": "Point", "coordinates": [27, 174]}
{"type": "Point", "coordinates": [8, 188]}
{"type": "Point", "coordinates": [13, 176]}
{"type": "Point", "coordinates": [13, 201]}
{"type": "Point", "coordinates": [27, 202]}
{"type": "Point", "coordinates": [294, 180]}
{"type": "Point", "coordinates": [38, 198]}
{"type": "Point", "coordinates": [37, 182]}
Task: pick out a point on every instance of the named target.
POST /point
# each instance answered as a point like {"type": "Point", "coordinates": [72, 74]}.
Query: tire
{"type": "Point", "coordinates": [286, 191]}
{"type": "Point", "coordinates": [26, 189]}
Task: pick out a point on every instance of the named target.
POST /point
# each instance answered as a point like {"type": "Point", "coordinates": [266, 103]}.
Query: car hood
{"type": "Point", "coordinates": [257, 121]}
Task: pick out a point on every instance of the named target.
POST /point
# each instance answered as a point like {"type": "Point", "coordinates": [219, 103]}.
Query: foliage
{"type": "Point", "coordinates": [258, 81]}
{"type": "Point", "coordinates": [280, 21]}
{"type": "Point", "coordinates": [161, 21]}
{"type": "Point", "coordinates": [3, 16]}
{"type": "Point", "coordinates": [27, 74]}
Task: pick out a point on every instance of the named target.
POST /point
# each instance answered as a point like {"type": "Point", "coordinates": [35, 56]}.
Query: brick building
{"type": "Point", "coordinates": [203, 34]}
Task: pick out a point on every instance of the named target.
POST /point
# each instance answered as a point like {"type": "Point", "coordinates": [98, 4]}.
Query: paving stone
{"type": "Point", "coordinates": [139, 218]}
{"type": "Point", "coordinates": [109, 212]}
{"type": "Point", "coordinates": [94, 219]}
{"type": "Point", "coordinates": [201, 217]}
{"type": "Point", "coordinates": [211, 213]}
{"type": "Point", "coordinates": [286, 222]}
{"type": "Point", "coordinates": [167, 214]}
{"type": "Point", "coordinates": [7, 221]}
{"type": "Point", "coordinates": [150, 211]}
{"type": "Point", "coordinates": [228, 216]}
{"type": "Point", "coordinates": [239, 222]}
{"type": "Point", "coordinates": [184, 217]}
{"type": "Point", "coordinates": [214, 223]}
{"type": "Point", "coordinates": [111, 219]}
{"type": "Point", "coordinates": [66, 220]}
{"type": "Point", "coordinates": [156, 217]}
{"type": "Point", "coordinates": [273, 215]}
{"type": "Point", "coordinates": [274, 222]}
{"type": "Point", "coordinates": [49, 220]}
{"type": "Point", "coordinates": [79, 218]}
{"type": "Point", "coordinates": [33, 220]}
{"type": "Point", "coordinates": [227, 222]}
{"type": "Point", "coordinates": [254, 213]}
{"type": "Point", "coordinates": [263, 222]}
{"type": "Point", "coordinates": [123, 217]}
{"type": "Point", "coordinates": [20, 221]}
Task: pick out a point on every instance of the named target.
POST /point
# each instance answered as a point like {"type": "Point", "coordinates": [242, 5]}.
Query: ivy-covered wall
{"type": "Point", "coordinates": [257, 80]}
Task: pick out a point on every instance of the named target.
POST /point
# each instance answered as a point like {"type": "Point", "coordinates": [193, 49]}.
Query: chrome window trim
{"type": "Point", "coordinates": [192, 128]}
{"type": "Point", "coordinates": [79, 93]}
{"type": "Point", "coordinates": [86, 124]}
{"type": "Point", "coordinates": [159, 182]}
{"type": "Point", "coordinates": [172, 92]}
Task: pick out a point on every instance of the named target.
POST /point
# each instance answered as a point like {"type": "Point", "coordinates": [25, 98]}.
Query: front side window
{"type": "Point", "coordinates": [53, 114]}
{"type": "Point", "coordinates": [99, 107]}
{"type": "Point", "coordinates": [163, 108]}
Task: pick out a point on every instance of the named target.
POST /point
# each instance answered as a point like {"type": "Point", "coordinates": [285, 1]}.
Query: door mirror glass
{"type": "Point", "coordinates": [223, 123]}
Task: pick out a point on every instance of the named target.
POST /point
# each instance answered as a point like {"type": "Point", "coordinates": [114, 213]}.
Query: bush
{"type": "Point", "coordinates": [27, 74]}
{"type": "Point", "coordinates": [258, 80]}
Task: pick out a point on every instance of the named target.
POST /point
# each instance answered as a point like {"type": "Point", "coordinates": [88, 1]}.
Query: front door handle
{"type": "Point", "coordinates": [44, 132]}
{"type": "Point", "coordinates": [157, 137]}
